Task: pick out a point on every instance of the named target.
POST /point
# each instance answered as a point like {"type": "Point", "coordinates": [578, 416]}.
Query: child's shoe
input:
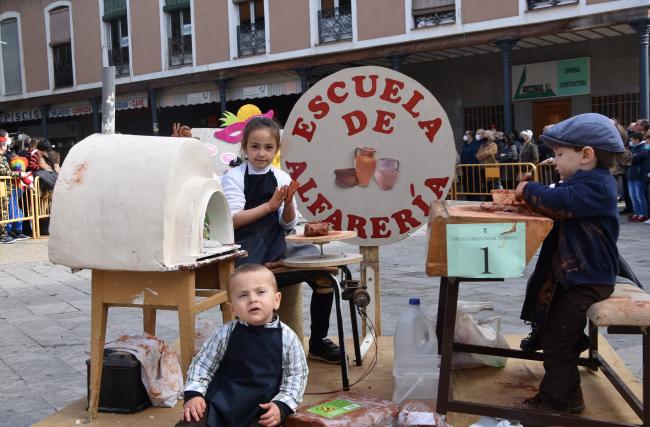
{"type": "Point", "coordinates": [642, 218]}
{"type": "Point", "coordinates": [20, 236]}
{"type": "Point", "coordinates": [7, 240]}
{"type": "Point", "coordinates": [533, 342]}
{"type": "Point", "coordinates": [632, 218]}
{"type": "Point", "coordinates": [324, 350]}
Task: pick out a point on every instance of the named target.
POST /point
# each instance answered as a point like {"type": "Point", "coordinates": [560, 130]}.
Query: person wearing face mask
{"type": "Point", "coordinates": [468, 157]}
{"type": "Point", "coordinates": [528, 152]}
{"type": "Point", "coordinates": [636, 178]}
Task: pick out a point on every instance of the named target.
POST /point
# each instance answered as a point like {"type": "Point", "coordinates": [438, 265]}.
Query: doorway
{"type": "Point", "coordinates": [550, 112]}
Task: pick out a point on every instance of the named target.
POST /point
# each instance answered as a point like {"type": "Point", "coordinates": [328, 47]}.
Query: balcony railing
{"type": "Point", "coordinates": [442, 16]}
{"type": "Point", "coordinates": [251, 39]}
{"type": "Point", "coordinates": [119, 58]}
{"type": "Point", "coordinates": [334, 24]}
{"type": "Point", "coordinates": [180, 51]}
{"type": "Point", "coordinates": [539, 4]}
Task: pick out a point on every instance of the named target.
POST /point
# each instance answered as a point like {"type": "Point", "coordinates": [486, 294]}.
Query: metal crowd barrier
{"type": "Point", "coordinates": [17, 204]}
{"type": "Point", "coordinates": [479, 179]}
{"type": "Point", "coordinates": [43, 202]}
{"type": "Point", "coordinates": [546, 173]}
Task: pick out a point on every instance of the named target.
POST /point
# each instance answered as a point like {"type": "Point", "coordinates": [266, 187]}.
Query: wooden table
{"type": "Point", "coordinates": [325, 262]}
{"type": "Point", "coordinates": [177, 288]}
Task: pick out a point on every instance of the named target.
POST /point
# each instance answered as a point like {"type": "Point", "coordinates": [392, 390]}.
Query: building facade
{"type": "Point", "coordinates": [514, 64]}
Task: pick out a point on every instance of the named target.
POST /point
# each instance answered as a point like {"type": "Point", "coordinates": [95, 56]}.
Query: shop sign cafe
{"type": "Point", "coordinates": [371, 148]}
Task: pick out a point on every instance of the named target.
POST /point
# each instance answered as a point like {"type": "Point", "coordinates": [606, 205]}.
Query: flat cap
{"type": "Point", "coordinates": [592, 129]}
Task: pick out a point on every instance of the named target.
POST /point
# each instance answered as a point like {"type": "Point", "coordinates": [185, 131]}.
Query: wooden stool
{"type": "Point", "coordinates": [626, 311]}
{"type": "Point", "coordinates": [151, 291]}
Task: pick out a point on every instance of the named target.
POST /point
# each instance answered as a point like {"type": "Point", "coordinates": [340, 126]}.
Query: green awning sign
{"type": "Point", "coordinates": [495, 251]}
{"type": "Point", "coordinates": [568, 77]}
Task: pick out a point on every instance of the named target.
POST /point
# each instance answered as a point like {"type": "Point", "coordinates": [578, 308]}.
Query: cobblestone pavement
{"type": "Point", "coordinates": [45, 317]}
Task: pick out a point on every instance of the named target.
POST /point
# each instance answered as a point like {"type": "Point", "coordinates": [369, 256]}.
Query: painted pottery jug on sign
{"type": "Point", "coordinates": [386, 173]}
{"type": "Point", "coordinates": [364, 164]}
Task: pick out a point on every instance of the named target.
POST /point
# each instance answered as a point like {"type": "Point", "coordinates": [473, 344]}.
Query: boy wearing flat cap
{"type": "Point", "coordinates": [578, 261]}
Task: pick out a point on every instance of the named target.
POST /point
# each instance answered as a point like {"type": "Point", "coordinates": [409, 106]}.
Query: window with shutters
{"type": "Point", "coordinates": [117, 35]}
{"type": "Point", "coordinates": [179, 32]}
{"type": "Point", "coordinates": [11, 66]}
{"type": "Point", "coordinates": [251, 35]}
{"type": "Point", "coordinates": [427, 13]}
{"type": "Point", "coordinates": [334, 20]}
{"type": "Point", "coordinates": [61, 46]}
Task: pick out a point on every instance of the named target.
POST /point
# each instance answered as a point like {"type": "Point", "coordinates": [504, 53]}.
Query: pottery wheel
{"type": "Point", "coordinates": [331, 236]}
{"type": "Point", "coordinates": [325, 260]}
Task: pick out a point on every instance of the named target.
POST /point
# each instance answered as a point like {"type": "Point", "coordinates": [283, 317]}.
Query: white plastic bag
{"type": "Point", "coordinates": [484, 332]}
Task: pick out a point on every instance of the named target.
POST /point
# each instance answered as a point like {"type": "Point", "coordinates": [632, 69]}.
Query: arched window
{"type": "Point", "coordinates": [11, 67]}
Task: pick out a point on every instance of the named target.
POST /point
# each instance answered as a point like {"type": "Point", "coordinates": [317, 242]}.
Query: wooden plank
{"type": "Point", "coordinates": [370, 277]}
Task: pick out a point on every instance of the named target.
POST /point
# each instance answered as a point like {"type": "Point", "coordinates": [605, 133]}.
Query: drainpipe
{"type": "Point", "coordinates": [506, 47]}
{"type": "Point", "coordinates": [642, 27]}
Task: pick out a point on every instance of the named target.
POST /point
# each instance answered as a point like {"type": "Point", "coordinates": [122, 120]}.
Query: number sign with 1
{"type": "Point", "coordinates": [486, 250]}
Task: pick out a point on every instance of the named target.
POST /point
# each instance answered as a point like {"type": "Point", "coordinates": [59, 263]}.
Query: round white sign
{"type": "Point", "coordinates": [370, 148]}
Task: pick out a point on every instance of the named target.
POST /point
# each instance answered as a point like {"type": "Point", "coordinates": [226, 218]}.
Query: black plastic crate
{"type": "Point", "coordinates": [121, 389]}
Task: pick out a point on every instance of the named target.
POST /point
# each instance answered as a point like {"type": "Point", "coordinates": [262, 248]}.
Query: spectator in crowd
{"type": "Point", "coordinates": [622, 164]}
{"type": "Point", "coordinates": [500, 139]}
{"type": "Point", "coordinates": [487, 154]}
{"type": "Point", "coordinates": [468, 157]}
{"type": "Point", "coordinates": [508, 155]}
{"type": "Point", "coordinates": [528, 152]}
{"type": "Point", "coordinates": [5, 171]}
{"type": "Point", "coordinates": [636, 178]}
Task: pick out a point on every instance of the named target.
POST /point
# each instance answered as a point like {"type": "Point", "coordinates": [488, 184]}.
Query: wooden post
{"type": "Point", "coordinates": [99, 314]}
{"type": "Point", "coordinates": [371, 278]}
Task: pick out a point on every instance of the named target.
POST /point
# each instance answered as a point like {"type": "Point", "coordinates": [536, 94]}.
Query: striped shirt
{"type": "Point", "coordinates": [294, 365]}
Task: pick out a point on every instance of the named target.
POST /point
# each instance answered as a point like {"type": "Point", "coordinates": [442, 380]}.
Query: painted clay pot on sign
{"type": "Point", "coordinates": [364, 164]}
{"type": "Point", "coordinates": [387, 173]}
{"type": "Point", "coordinates": [345, 178]}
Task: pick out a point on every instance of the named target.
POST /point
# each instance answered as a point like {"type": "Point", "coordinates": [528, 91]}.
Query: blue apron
{"type": "Point", "coordinates": [264, 238]}
{"type": "Point", "coordinates": [249, 374]}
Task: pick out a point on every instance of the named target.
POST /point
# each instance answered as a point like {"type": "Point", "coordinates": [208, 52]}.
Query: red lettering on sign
{"type": "Point", "coordinates": [335, 219]}
{"type": "Point", "coordinates": [358, 85]}
{"type": "Point", "coordinates": [404, 217]}
{"type": "Point", "coordinates": [320, 205]}
{"type": "Point", "coordinates": [318, 107]}
{"type": "Point", "coordinates": [431, 126]}
{"type": "Point", "coordinates": [437, 185]}
{"type": "Point", "coordinates": [382, 125]}
{"type": "Point", "coordinates": [391, 89]}
{"type": "Point", "coordinates": [379, 227]}
{"type": "Point", "coordinates": [301, 190]}
{"type": "Point", "coordinates": [356, 223]}
{"type": "Point", "coordinates": [350, 123]}
{"type": "Point", "coordinates": [332, 95]}
{"type": "Point", "coordinates": [411, 103]}
{"type": "Point", "coordinates": [419, 201]}
{"type": "Point", "coordinates": [303, 129]}
{"type": "Point", "coordinates": [295, 169]}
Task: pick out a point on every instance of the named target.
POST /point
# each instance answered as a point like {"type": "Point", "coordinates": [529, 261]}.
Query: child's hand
{"type": "Point", "coordinates": [519, 192]}
{"type": "Point", "coordinates": [272, 415]}
{"type": "Point", "coordinates": [194, 409]}
{"type": "Point", "coordinates": [277, 198]}
{"type": "Point", "coordinates": [291, 190]}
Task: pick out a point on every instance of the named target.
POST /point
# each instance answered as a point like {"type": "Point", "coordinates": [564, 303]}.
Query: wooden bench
{"type": "Point", "coordinates": [626, 311]}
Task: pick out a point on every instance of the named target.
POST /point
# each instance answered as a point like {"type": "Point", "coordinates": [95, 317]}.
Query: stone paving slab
{"type": "Point", "coordinates": [45, 316]}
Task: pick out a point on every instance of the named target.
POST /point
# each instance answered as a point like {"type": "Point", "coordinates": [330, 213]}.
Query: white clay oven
{"type": "Point", "coordinates": [137, 203]}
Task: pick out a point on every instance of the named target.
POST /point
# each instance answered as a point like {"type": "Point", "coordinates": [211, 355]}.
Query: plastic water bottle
{"type": "Point", "coordinates": [417, 364]}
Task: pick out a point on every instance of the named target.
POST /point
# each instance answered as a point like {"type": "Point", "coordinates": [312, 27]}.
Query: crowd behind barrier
{"type": "Point", "coordinates": [20, 204]}
{"type": "Point", "coordinates": [476, 180]}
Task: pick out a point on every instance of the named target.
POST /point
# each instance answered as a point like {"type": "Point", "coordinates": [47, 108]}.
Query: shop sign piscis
{"type": "Point", "coordinates": [371, 148]}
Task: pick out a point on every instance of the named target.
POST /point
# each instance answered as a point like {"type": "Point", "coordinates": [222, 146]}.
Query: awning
{"type": "Point", "coordinates": [70, 109]}
{"type": "Point", "coordinates": [132, 100]}
{"type": "Point", "coordinates": [202, 93]}
{"type": "Point", "coordinates": [263, 85]}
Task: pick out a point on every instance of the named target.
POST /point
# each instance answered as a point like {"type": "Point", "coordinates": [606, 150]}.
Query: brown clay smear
{"type": "Point", "coordinates": [517, 386]}
{"type": "Point", "coordinates": [78, 174]}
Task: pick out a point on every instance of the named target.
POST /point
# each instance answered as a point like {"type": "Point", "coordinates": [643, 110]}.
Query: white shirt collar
{"type": "Point", "coordinates": [254, 171]}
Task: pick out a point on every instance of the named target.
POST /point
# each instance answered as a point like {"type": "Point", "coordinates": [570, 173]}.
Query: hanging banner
{"type": "Point", "coordinates": [568, 77]}
{"type": "Point", "coordinates": [371, 148]}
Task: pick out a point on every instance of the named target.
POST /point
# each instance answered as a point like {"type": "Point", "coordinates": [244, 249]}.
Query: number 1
{"type": "Point", "coordinates": [485, 259]}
